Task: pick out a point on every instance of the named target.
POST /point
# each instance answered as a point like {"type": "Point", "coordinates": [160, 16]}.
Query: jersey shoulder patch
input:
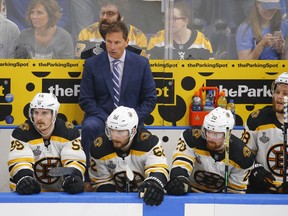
{"type": "Point", "coordinates": [241, 153]}
{"type": "Point", "coordinates": [101, 147]}
{"type": "Point", "coordinates": [145, 141]}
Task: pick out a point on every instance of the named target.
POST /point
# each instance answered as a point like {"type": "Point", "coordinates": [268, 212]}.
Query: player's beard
{"type": "Point", "coordinates": [278, 106]}
{"type": "Point", "coordinates": [215, 145]}
{"type": "Point", "coordinates": [103, 28]}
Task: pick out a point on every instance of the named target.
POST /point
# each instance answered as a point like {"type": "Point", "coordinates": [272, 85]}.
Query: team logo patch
{"type": "Point", "coordinates": [196, 133]}
{"type": "Point", "coordinates": [37, 151]}
{"type": "Point", "coordinates": [255, 114]}
{"type": "Point", "coordinates": [69, 125]}
{"type": "Point", "coordinates": [275, 160]}
{"type": "Point", "coordinates": [246, 152]}
{"type": "Point", "coordinates": [144, 136]}
{"type": "Point", "coordinates": [97, 50]}
{"type": "Point", "coordinates": [98, 142]}
{"type": "Point", "coordinates": [24, 126]}
{"type": "Point", "coordinates": [264, 138]}
{"type": "Point", "coordinates": [111, 165]}
{"type": "Point", "coordinates": [42, 168]}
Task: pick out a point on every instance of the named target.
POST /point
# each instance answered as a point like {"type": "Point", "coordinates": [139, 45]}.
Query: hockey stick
{"type": "Point", "coordinates": [285, 139]}
{"type": "Point", "coordinates": [129, 177]}
{"type": "Point", "coordinates": [62, 171]}
{"type": "Point", "coordinates": [227, 138]}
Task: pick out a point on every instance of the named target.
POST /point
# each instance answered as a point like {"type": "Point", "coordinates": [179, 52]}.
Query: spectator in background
{"type": "Point", "coordinates": [44, 40]}
{"type": "Point", "coordinates": [94, 34]}
{"type": "Point", "coordinates": [128, 160]}
{"type": "Point", "coordinates": [9, 35]}
{"type": "Point", "coordinates": [16, 10]}
{"type": "Point", "coordinates": [187, 43]}
{"type": "Point", "coordinates": [262, 35]}
{"type": "Point", "coordinates": [136, 85]}
{"type": "Point", "coordinates": [82, 14]}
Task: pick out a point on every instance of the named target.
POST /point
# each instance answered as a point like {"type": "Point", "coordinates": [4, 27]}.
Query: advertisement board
{"type": "Point", "coordinates": [247, 82]}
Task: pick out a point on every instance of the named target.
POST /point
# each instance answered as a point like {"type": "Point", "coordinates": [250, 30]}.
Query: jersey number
{"type": "Point", "coordinates": [15, 144]}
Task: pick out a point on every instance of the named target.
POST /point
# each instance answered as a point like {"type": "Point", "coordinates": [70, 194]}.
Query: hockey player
{"type": "Point", "coordinates": [125, 159]}
{"type": "Point", "coordinates": [42, 143]}
{"type": "Point", "coordinates": [264, 135]}
{"type": "Point", "coordinates": [198, 162]}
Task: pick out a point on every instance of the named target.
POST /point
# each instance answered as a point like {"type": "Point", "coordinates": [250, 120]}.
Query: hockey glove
{"type": "Point", "coordinates": [28, 185]}
{"type": "Point", "coordinates": [152, 191]}
{"type": "Point", "coordinates": [73, 184]}
{"type": "Point", "coordinates": [179, 185]}
{"type": "Point", "coordinates": [261, 178]}
{"type": "Point", "coordinates": [283, 188]}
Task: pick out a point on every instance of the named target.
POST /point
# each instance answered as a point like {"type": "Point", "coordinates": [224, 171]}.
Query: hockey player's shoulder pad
{"type": "Point", "coordinates": [241, 153]}
{"type": "Point", "coordinates": [25, 132]}
{"type": "Point", "coordinates": [145, 141]}
{"type": "Point", "coordinates": [260, 117]}
{"type": "Point", "coordinates": [65, 130]}
{"type": "Point", "coordinates": [101, 147]}
{"type": "Point", "coordinates": [192, 136]}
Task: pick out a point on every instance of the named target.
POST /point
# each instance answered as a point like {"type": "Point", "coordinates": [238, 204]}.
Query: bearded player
{"type": "Point", "coordinates": [264, 135]}
{"type": "Point", "coordinates": [128, 160]}
{"type": "Point", "coordinates": [198, 161]}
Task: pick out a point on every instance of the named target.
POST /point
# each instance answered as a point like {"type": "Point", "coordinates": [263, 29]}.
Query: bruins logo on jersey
{"type": "Point", "coordinates": [144, 136]}
{"type": "Point", "coordinates": [24, 126]}
{"type": "Point", "coordinates": [246, 151]}
{"type": "Point", "coordinates": [69, 125]}
{"type": "Point", "coordinates": [42, 168]}
{"type": "Point", "coordinates": [196, 133]}
{"type": "Point", "coordinates": [255, 114]}
{"type": "Point", "coordinates": [98, 142]}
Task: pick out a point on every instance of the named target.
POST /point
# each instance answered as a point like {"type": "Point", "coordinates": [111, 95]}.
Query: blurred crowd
{"type": "Point", "coordinates": [201, 29]}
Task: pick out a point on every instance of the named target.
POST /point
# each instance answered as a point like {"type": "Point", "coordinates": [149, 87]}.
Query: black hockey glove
{"type": "Point", "coordinates": [28, 185]}
{"type": "Point", "coordinates": [179, 185]}
{"type": "Point", "coordinates": [261, 178]}
{"type": "Point", "coordinates": [283, 188]}
{"type": "Point", "coordinates": [152, 191]}
{"type": "Point", "coordinates": [73, 184]}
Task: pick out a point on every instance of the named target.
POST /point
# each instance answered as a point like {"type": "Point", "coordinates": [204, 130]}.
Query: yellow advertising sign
{"type": "Point", "coordinates": [247, 82]}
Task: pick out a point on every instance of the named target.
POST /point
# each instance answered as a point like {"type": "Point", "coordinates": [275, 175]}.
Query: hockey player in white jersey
{"type": "Point", "coordinates": [198, 161]}
{"type": "Point", "coordinates": [127, 159]}
{"type": "Point", "coordinates": [264, 135]}
{"type": "Point", "coordinates": [44, 142]}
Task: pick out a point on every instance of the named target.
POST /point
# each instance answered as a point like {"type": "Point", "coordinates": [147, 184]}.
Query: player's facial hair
{"type": "Point", "coordinates": [274, 106]}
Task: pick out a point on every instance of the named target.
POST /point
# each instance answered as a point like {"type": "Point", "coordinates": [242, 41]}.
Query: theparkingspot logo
{"type": "Point", "coordinates": [66, 90]}
{"type": "Point", "coordinates": [5, 87]}
{"type": "Point", "coordinates": [245, 91]}
{"type": "Point", "coordinates": [164, 87]}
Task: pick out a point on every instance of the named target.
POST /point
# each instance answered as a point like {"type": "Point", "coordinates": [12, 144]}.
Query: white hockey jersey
{"type": "Point", "coordinates": [145, 158]}
{"type": "Point", "coordinates": [31, 155]}
{"type": "Point", "coordinates": [264, 135]}
{"type": "Point", "coordinates": [206, 169]}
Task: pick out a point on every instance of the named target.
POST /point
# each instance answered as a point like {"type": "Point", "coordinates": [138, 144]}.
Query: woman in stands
{"type": "Point", "coordinates": [44, 40]}
{"type": "Point", "coordinates": [262, 35]}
